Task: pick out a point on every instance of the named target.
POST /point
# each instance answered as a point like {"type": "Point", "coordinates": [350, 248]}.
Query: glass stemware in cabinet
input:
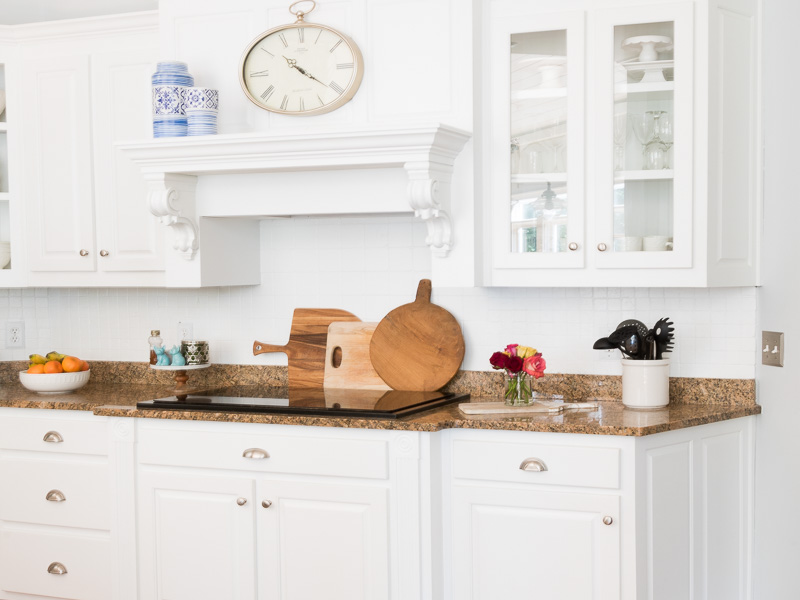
{"type": "Point", "coordinates": [643, 130]}
{"type": "Point", "coordinates": [663, 130]}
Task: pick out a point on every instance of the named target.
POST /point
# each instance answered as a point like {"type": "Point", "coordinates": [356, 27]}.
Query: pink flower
{"type": "Point", "coordinates": [499, 360]}
{"type": "Point", "coordinates": [535, 365]}
{"type": "Point", "coordinates": [511, 349]}
{"type": "Point", "coordinates": [514, 364]}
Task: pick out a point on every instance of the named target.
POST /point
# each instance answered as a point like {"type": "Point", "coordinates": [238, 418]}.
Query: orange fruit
{"type": "Point", "coordinates": [84, 366]}
{"type": "Point", "coordinates": [35, 369]}
{"type": "Point", "coordinates": [71, 364]}
{"type": "Point", "coordinates": [53, 366]}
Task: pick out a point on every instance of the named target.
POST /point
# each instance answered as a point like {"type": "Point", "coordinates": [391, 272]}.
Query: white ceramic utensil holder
{"type": "Point", "coordinates": [645, 383]}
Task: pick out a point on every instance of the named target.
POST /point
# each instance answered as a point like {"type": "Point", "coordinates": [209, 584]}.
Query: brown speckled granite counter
{"type": "Point", "coordinates": [611, 418]}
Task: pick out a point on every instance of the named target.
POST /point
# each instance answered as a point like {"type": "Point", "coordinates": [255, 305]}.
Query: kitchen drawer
{"type": "Point", "coordinates": [83, 484]}
{"type": "Point", "coordinates": [566, 465]}
{"type": "Point", "coordinates": [25, 557]}
{"type": "Point", "coordinates": [79, 435]}
{"type": "Point", "coordinates": [287, 454]}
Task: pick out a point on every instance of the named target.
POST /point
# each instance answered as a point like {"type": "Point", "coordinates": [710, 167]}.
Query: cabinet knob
{"type": "Point", "coordinates": [103, 253]}
{"type": "Point", "coordinates": [602, 247]}
{"type": "Point", "coordinates": [533, 464]}
{"type": "Point", "coordinates": [607, 520]}
{"type": "Point", "coordinates": [266, 503]}
{"type": "Point", "coordinates": [53, 437]}
{"type": "Point", "coordinates": [241, 501]}
{"type": "Point", "coordinates": [55, 496]}
{"type": "Point", "coordinates": [255, 453]}
{"type": "Point", "coordinates": [573, 246]}
{"type": "Point", "coordinates": [57, 568]}
{"type": "Point", "coordinates": [84, 252]}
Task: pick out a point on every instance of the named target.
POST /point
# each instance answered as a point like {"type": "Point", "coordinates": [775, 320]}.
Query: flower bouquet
{"type": "Point", "coordinates": [519, 363]}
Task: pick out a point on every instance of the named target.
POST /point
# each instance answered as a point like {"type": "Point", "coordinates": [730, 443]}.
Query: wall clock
{"type": "Point", "coordinates": [301, 68]}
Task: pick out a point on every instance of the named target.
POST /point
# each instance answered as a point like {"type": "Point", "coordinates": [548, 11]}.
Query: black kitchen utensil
{"type": "Point", "coordinates": [641, 328]}
{"type": "Point", "coordinates": [662, 333]}
{"type": "Point", "coordinates": [625, 339]}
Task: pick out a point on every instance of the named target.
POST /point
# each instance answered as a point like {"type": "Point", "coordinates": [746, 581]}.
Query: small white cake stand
{"type": "Point", "coordinates": [649, 46]}
{"type": "Point", "coordinates": [181, 377]}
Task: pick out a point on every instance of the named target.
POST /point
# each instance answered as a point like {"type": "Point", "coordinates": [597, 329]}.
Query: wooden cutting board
{"type": "Point", "coordinates": [347, 362]}
{"type": "Point", "coordinates": [308, 339]}
{"type": "Point", "coordinates": [417, 347]}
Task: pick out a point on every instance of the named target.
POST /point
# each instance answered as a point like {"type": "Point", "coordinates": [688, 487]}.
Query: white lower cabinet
{"type": "Point", "coordinates": [152, 509]}
{"type": "Point", "coordinates": [518, 544]}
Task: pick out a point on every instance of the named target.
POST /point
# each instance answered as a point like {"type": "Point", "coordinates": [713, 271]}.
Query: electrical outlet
{"type": "Point", "coordinates": [185, 331]}
{"type": "Point", "coordinates": [772, 348]}
{"type": "Point", "coordinates": [15, 334]}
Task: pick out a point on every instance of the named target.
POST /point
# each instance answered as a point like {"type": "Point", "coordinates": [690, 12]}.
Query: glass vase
{"type": "Point", "coordinates": [518, 390]}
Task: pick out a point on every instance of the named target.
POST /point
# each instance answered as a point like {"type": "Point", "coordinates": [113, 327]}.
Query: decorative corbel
{"type": "Point", "coordinates": [171, 199]}
{"type": "Point", "coordinates": [429, 197]}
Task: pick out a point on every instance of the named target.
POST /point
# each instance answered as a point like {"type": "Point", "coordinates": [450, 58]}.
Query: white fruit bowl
{"type": "Point", "coordinates": [54, 383]}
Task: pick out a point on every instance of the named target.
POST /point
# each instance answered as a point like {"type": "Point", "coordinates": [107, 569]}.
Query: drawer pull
{"type": "Point", "coordinates": [533, 464]}
{"type": "Point", "coordinates": [55, 496]}
{"type": "Point", "coordinates": [266, 503]}
{"type": "Point", "coordinates": [607, 520]}
{"type": "Point", "coordinates": [241, 501]}
{"type": "Point", "coordinates": [53, 437]}
{"type": "Point", "coordinates": [57, 568]}
{"type": "Point", "coordinates": [255, 453]}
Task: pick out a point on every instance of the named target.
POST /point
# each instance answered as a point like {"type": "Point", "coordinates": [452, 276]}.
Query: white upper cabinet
{"type": "Point", "coordinates": [622, 143]}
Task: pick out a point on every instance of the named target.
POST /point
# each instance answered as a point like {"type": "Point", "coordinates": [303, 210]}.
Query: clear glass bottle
{"type": "Point", "coordinates": [550, 212]}
{"type": "Point", "coordinates": [155, 341]}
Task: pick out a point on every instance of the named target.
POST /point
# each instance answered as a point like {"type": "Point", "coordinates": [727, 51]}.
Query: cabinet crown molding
{"type": "Point", "coordinates": [426, 153]}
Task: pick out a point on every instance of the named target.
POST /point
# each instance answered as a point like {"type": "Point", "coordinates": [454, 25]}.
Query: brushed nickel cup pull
{"type": "Point", "coordinates": [84, 252]}
{"type": "Point", "coordinates": [255, 453]}
{"type": "Point", "coordinates": [103, 253]}
{"type": "Point", "coordinates": [607, 520]}
{"type": "Point", "coordinates": [533, 464]}
{"type": "Point", "coordinates": [241, 501]}
{"type": "Point", "coordinates": [57, 568]}
{"type": "Point", "coordinates": [53, 437]}
{"type": "Point", "coordinates": [266, 503]}
{"type": "Point", "coordinates": [602, 247]}
{"type": "Point", "coordinates": [55, 496]}
{"type": "Point", "coordinates": [573, 246]}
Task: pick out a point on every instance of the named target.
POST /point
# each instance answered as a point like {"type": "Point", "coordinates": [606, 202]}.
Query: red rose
{"type": "Point", "coordinates": [514, 364]}
{"type": "Point", "coordinates": [499, 360]}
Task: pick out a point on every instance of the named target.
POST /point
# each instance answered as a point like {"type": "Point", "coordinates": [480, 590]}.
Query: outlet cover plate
{"type": "Point", "coordinates": [15, 334]}
{"type": "Point", "coordinates": [772, 348]}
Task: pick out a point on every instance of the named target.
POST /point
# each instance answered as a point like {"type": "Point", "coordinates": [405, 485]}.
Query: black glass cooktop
{"type": "Point", "coordinates": [343, 403]}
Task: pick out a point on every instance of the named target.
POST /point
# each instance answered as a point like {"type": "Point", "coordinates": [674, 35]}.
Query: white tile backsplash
{"type": "Point", "coordinates": [370, 266]}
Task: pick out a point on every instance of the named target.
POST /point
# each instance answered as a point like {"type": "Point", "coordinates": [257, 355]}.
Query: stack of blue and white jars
{"type": "Point", "coordinates": [170, 82]}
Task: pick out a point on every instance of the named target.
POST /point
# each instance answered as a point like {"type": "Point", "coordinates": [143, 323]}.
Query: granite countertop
{"type": "Point", "coordinates": [611, 418]}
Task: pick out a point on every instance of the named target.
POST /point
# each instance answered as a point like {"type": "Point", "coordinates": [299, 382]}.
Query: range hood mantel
{"type": "Point", "coordinates": [426, 154]}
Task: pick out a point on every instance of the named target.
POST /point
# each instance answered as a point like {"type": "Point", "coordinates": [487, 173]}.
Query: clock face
{"type": "Point", "coordinates": [301, 69]}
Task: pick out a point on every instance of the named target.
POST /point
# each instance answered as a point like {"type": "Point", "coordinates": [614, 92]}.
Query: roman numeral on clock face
{"type": "Point", "coordinates": [301, 32]}
{"type": "Point", "coordinates": [335, 46]}
{"type": "Point", "coordinates": [344, 66]}
{"type": "Point", "coordinates": [285, 102]}
{"type": "Point", "coordinates": [267, 93]}
{"type": "Point", "coordinates": [302, 104]}
{"type": "Point", "coordinates": [283, 39]}
{"type": "Point", "coordinates": [268, 52]}
{"type": "Point", "coordinates": [259, 74]}
{"type": "Point", "coordinates": [336, 87]}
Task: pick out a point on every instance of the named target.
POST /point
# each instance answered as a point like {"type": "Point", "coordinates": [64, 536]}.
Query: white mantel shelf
{"type": "Point", "coordinates": [426, 153]}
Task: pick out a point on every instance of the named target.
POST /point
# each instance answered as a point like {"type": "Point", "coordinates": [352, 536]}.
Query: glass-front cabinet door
{"type": "Point", "coordinates": [537, 140]}
{"type": "Point", "coordinates": [644, 144]}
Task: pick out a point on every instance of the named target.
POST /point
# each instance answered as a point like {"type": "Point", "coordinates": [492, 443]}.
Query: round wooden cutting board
{"type": "Point", "coordinates": [418, 347]}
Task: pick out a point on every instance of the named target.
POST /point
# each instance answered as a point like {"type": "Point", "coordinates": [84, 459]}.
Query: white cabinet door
{"type": "Point", "coordinates": [128, 235]}
{"type": "Point", "coordinates": [323, 541]}
{"type": "Point", "coordinates": [196, 539]}
{"type": "Point", "coordinates": [58, 164]}
{"type": "Point", "coordinates": [518, 544]}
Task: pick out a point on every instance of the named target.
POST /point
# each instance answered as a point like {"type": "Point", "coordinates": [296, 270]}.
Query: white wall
{"type": "Point", "coordinates": [369, 266]}
{"type": "Point", "coordinates": [777, 552]}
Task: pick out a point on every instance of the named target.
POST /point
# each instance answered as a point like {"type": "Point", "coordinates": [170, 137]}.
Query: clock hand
{"type": "Point", "coordinates": [293, 64]}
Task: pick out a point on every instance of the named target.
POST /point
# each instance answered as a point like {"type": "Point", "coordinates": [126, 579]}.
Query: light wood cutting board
{"type": "Point", "coordinates": [348, 347]}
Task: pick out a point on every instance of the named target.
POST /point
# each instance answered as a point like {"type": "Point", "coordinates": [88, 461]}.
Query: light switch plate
{"type": "Point", "coordinates": [772, 348]}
